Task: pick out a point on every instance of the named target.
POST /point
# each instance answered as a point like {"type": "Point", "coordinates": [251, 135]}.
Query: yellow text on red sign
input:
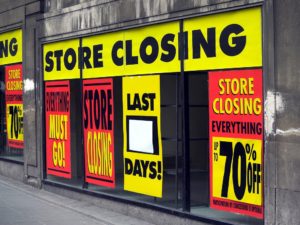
{"type": "Point", "coordinates": [58, 132]}
{"type": "Point", "coordinates": [237, 97]}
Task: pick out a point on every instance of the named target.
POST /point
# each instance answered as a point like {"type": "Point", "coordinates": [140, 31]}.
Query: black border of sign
{"type": "Point", "coordinates": [154, 133]}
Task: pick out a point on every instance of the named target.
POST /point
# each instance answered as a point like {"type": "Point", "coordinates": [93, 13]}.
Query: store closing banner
{"type": "Point", "coordinates": [236, 141]}
{"type": "Point", "coordinates": [143, 167]}
{"type": "Point", "coordinates": [11, 47]}
{"type": "Point", "coordinates": [60, 60]}
{"type": "Point", "coordinates": [219, 41]}
{"type": "Point", "coordinates": [98, 121]}
{"type": "Point", "coordinates": [225, 40]}
{"type": "Point", "coordinates": [14, 105]}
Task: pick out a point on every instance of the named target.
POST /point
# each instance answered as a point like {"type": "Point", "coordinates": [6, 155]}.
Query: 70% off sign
{"type": "Point", "coordinates": [237, 169]}
{"type": "Point", "coordinates": [15, 121]}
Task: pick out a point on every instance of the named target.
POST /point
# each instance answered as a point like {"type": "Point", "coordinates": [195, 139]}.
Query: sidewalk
{"type": "Point", "coordinates": [22, 204]}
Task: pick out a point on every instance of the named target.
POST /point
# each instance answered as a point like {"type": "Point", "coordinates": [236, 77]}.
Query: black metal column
{"type": "Point", "coordinates": [185, 133]}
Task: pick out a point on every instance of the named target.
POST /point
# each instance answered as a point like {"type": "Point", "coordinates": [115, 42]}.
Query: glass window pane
{"type": "Point", "coordinates": [11, 112]}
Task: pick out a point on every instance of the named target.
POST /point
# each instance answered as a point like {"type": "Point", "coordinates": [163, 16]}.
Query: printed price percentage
{"type": "Point", "coordinates": [251, 152]}
{"type": "Point", "coordinates": [243, 174]}
{"type": "Point", "coordinates": [16, 125]}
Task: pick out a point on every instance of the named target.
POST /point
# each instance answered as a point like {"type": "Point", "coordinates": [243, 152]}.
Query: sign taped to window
{"type": "Point", "coordinates": [11, 47]}
{"type": "Point", "coordinates": [98, 121]}
{"type": "Point", "coordinates": [143, 166]}
{"type": "Point", "coordinates": [236, 141]}
{"type": "Point", "coordinates": [58, 136]}
{"type": "Point", "coordinates": [14, 105]}
{"type": "Point", "coordinates": [218, 41]}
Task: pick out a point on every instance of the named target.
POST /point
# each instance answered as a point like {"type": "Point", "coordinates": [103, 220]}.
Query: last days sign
{"type": "Point", "coordinates": [236, 141]}
{"type": "Point", "coordinates": [143, 165]}
{"type": "Point", "coordinates": [98, 121]}
{"type": "Point", "coordinates": [58, 136]}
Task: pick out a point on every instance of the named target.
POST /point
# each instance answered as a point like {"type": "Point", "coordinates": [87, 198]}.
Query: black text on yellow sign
{"type": "Point", "coordinates": [61, 60]}
{"type": "Point", "coordinates": [144, 102]}
{"type": "Point", "coordinates": [11, 47]}
{"type": "Point", "coordinates": [15, 129]}
{"type": "Point", "coordinates": [226, 40]}
{"type": "Point", "coordinates": [242, 177]}
{"type": "Point", "coordinates": [143, 166]}
{"type": "Point", "coordinates": [16, 124]}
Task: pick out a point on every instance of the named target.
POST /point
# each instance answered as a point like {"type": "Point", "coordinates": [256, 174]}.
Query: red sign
{"type": "Point", "coordinates": [58, 136]}
{"type": "Point", "coordinates": [98, 123]}
{"type": "Point", "coordinates": [14, 105]}
{"type": "Point", "coordinates": [236, 141]}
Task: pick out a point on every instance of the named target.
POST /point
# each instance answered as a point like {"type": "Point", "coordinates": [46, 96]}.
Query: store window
{"type": "Point", "coordinates": [64, 158]}
{"type": "Point", "coordinates": [11, 96]}
{"type": "Point", "coordinates": [107, 176]}
{"type": "Point", "coordinates": [127, 166]}
{"type": "Point", "coordinates": [226, 136]}
{"type": "Point", "coordinates": [116, 115]}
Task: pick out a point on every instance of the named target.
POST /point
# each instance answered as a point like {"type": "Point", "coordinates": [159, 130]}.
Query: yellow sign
{"type": "Point", "coordinates": [150, 49]}
{"type": "Point", "coordinates": [61, 60]}
{"type": "Point", "coordinates": [237, 165]}
{"type": "Point", "coordinates": [11, 47]}
{"type": "Point", "coordinates": [143, 166]}
{"type": "Point", "coordinates": [226, 40]}
{"type": "Point", "coordinates": [14, 119]}
{"type": "Point", "coordinates": [106, 66]}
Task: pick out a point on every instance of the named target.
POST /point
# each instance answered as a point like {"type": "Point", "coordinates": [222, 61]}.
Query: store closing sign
{"type": "Point", "coordinates": [225, 40]}
{"type": "Point", "coordinates": [11, 47]}
{"type": "Point", "coordinates": [143, 167]}
{"type": "Point", "coordinates": [61, 60]}
{"type": "Point", "coordinates": [149, 49]}
{"type": "Point", "coordinates": [14, 105]}
{"type": "Point", "coordinates": [58, 137]}
{"type": "Point", "coordinates": [98, 121]}
{"type": "Point", "coordinates": [236, 141]}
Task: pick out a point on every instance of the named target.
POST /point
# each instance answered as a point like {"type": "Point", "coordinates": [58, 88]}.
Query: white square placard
{"type": "Point", "coordinates": [141, 136]}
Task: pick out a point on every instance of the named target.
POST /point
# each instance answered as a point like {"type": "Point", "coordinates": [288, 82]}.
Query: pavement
{"type": "Point", "coordinates": [22, 204]}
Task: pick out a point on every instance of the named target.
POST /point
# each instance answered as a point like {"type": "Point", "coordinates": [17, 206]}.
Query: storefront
{"type": "Point", "coordinates": [167, 115]}
{"type": "Point", "coordinates": [175, 111]}
{"type": "Point", "coordinates": [11, 97]}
